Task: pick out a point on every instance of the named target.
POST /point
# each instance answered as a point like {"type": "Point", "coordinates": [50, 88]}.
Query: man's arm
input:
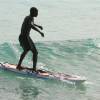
{"type": "Point", "coordinates": [38, 26]}
{"type": "Point", "coordinates": [33, 27]}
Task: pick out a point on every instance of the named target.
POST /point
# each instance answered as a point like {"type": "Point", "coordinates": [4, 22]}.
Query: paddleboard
{"type": "Point", "coordinates": [43, 74]}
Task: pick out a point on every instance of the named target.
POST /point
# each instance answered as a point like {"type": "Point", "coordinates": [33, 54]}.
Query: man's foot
{"type": "Point", "coordinates": [19, 68]}
{"type": "Point", "coordinates": [34, 70]}
{"type": "Point", "coordinates": [22, 68]}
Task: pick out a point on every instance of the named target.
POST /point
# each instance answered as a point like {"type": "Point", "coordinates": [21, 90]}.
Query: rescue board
{"type": "Point", "coordinates": [43, 74]}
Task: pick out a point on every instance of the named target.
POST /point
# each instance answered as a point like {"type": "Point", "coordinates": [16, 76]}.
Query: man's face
{"type": "Point", "coordinates": [34, 14]}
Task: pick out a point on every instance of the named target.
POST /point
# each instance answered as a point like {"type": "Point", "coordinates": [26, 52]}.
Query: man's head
{"type": "Point", "coordinates": [33, 12]}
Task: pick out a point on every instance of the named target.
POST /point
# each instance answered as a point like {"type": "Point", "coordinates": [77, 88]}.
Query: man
{"type": "Point", "coordinates": [25, 40]}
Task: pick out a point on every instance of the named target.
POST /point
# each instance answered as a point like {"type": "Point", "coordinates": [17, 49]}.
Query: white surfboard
{"type": "Point", "coordinates": [44, 74]}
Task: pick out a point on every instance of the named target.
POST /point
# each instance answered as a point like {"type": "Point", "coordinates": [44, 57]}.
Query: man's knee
{"type": "Point", "coordinates": [35, 53]}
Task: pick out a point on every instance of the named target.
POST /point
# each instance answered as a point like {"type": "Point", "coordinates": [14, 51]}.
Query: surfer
{"type": "Point", "coordinates": [24, 38]}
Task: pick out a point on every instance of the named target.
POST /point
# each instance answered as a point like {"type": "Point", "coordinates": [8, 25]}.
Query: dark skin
{"type": "Point", "coordinates": [27, 25]}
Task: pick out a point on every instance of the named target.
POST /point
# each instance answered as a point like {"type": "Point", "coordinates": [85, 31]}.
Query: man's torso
{"type": "Point", "coordinates": [26, 26]}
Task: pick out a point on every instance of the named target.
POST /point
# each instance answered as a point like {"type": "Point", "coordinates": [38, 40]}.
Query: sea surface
{"type": "Point", "coordinates": [71, 45]}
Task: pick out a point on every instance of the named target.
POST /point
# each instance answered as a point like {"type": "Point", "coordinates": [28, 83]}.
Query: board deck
{"type": "Point", "coordinates": [44, 74]}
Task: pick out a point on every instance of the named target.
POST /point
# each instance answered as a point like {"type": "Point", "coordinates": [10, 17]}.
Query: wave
{"type": "Point", "coordinates": [66, 56]}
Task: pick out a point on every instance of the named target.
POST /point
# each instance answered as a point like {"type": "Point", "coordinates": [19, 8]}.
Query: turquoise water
{"type": "Point", "coordinates": [71, 45]}
{"type": "Point", "coordinates": [79, 57]}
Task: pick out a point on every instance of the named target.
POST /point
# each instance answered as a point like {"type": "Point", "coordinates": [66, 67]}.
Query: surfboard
{"type": "Point", "coordinates": [42, 73]}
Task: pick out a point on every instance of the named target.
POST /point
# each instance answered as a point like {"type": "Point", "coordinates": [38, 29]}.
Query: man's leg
{"type": "Point", "coordinates": [35, 56]}
{"type": "Point", "coordinates": [35, 53]}
{"type": "Point", "coordinates": [21, 59]}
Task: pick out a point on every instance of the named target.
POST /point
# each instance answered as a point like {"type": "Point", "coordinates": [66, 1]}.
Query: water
{"type": "Point", "coordinates": [79, 57]}
{"type": "Point", "coordinates": [61, 19]}
{"type": "Point", "coordinates": [71, 45]}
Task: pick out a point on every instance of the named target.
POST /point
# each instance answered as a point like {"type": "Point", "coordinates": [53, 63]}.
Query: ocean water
{"type": "Point", "coordinates": [71, 45]}
{"type": "Point", "coordinates": [80, 57]}
{"type": "Point", "coordinates": [61, 19]}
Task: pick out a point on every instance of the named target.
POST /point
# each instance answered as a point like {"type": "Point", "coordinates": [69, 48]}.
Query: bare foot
{"type": "Point", "coordinates": [19, 68]}
{"type": "Point", "coordinates": [34, 70]}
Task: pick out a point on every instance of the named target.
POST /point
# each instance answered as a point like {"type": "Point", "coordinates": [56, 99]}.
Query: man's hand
{"type": "Point", "coordinates": [40, 27]}
{"type": "Point", "coordinates": [42, 34]}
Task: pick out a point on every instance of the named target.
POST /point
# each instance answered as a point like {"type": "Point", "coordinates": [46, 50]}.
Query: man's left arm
{"type": "Point", "coordinates": [38, 26]}
{"type": "Point", "coordinates": [33, 27]}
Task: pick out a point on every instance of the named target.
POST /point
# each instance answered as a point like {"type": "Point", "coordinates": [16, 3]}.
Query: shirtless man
{"type": "Point", "coordinates": [25, 41]}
